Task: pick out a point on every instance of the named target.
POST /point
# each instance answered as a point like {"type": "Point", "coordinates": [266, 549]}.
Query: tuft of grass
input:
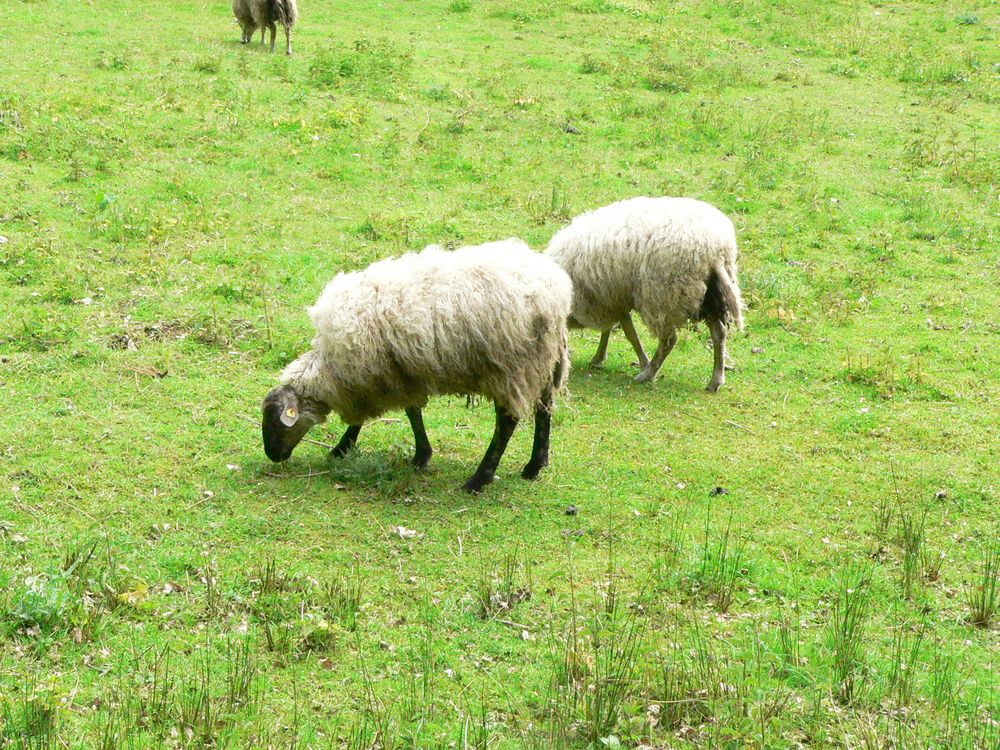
{"type": "Point", "coordinates": [31, 718]}
{"type": "Point", "coordinates": [846, 633]}
{"type": "Point", "coordinates": [912, 533]}
{"type": "Point", "coordinates": [721, 565]}
{"type": "Point", "coordinates": [615, 642]}
{"type": "Point", "coordinates": [904, 661]}
{"type": "Point", "coordinates": [982, 593]}
{"type": "Point", "coordinates": [883, 515]}
{"type": "Point", "coordinates": [688, 677]}
{"type": "Point", "coordinates": [341, 596]}
{"type": "Point", "coordinates": [943, 676]}
{"type": "Point", "coordinates": [499, 590]}
{"type": "Point", "coordinates": [932, 562]}
{"type": "Point", "coordinates": [788, 646]}
{"type": "Point", "coordinates": [594, 665]}
{"type": "Point", "coordinates": [671, 549]}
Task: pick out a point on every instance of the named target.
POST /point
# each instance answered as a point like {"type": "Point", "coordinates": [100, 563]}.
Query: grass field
{"type": "Point", "coordinates": [172, 200]}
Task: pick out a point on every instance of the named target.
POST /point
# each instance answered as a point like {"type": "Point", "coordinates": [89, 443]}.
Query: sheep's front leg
{"type": "Point", "coordinates": [602, 349]}
{"type": "Point", "coordinates": [540, 447]}
{"type": "Point", "coordinates": [648, 375]}
{"type": "Point", "coordinates": [288, 40]}
{"type": "Point", "coordinates": [505, 425]}
{"type": "Point", "coordinates": [274, 31]}
{"type": "Point", "coordinates": [633, 339]}
{"type": "Point", "coordinates": [422, 455]}
{"type": "Point", "coordinates": [347, 442]}
{"type": "Point", "coordinates": [718, 330]}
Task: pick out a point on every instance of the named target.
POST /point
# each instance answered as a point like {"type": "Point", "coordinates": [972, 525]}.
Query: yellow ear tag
{"type": "Point", "coordinates": [291, 412]}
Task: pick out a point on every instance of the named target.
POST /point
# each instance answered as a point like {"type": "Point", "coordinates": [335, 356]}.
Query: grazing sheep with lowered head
{"type": "Point", "coordinates": [670, 259]}
{"type": "Point", "coordinates": [263, 15]}
{"type": "Point", "coordinates": [489, 319]}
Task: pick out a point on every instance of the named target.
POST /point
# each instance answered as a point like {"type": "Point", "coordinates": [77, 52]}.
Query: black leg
{"type": "Point", "coordinates": [422, 455]}
{"type": "Point", "coordinates": [346, 442]}
{"type": "Point", "coordinates": [540, 447]}
{"type": "Point", "coordinates": [505, 425]}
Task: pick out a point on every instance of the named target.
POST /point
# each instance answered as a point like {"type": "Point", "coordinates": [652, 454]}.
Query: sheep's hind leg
{"type": "Point", "coordinates": [648, 375]}
{"type": "Point", "coordinates": [633, 339]}
{"type": "Point", "coordinates": [602, 349]}
{"type": "Point", "coordinates": [274, 31]}
{"type": "Point", "coordinates": [423, 452]}
{"type": "Point", "coordinates": [718, 330]}
{"type": "Point", "coordinates": [540, 447]}
{"type": "Point", "coordinates": [347, 442]}
{"type": "Point", "coordinates": [288, 40]}
{"type": "Point", "coordinates": [505, 425]}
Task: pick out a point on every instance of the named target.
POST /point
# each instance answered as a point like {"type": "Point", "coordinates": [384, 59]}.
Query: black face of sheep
{"type": "Point", "coordinates": [286, 420]}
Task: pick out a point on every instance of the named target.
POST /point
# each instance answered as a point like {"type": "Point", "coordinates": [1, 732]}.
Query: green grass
{"type": "Point", "coordinates": [171, 201]}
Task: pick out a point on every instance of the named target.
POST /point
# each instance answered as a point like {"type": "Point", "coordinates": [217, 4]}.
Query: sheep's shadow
{"type": "Point", "coordinates": [383, 474]}
{"type": "Point", "coordinates": [253, 44]}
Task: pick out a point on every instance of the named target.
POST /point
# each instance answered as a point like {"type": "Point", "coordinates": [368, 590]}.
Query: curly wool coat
{"type": "Point", "coordinates": [652, 255]}
{"type": "Point", "coordinates": [488, 319]}
{"type": "Point", "coordinates": [262, 14]}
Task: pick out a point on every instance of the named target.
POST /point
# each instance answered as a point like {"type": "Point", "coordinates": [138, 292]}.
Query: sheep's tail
{"type": "Point", "coordinates": [284, 12]}
{"type": "Point", "coordinates": [723, 300]}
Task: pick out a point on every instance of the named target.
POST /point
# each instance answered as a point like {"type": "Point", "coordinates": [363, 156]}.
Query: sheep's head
{"type": "Point", "coordinates": [287, 418]}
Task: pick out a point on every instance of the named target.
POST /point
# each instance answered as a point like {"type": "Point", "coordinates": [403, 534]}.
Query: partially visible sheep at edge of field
{"type": "Point", "coordinates": [671, 259]}
{"type": "Point", "coordinates": [488, 319]}
{"type": "Point", "coordinates": [263, 15]}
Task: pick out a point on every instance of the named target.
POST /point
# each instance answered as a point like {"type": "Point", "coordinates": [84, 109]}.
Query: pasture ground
{"type": "Point", "coordinates": [171, 201]}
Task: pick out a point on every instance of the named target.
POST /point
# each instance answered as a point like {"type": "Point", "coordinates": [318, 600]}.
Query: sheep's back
{"type": "Point", "coordinates": [241, 9]}
{"type": "Point", "coordinates": [266, 12]}
{"type": "Point", "coordinates": [488, 319]}
{"type": "Point", "coordinates": [648, 254]}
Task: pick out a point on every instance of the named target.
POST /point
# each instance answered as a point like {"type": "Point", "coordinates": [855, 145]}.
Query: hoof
{"type": "Point", "coordinates": [531, 472]}
{"type": "Point", "coordinates": [421, 461]}
{"type": "Point", "coordinates": [596, 364]}
{"type": "Point", "coordinates": [645, 377]}
{"type": "Point", "coordinates": [339, 451]}
{"type": "Point", "coordinates": [714, 386]}
{"type": "Point", "coordinates": [475, 485]}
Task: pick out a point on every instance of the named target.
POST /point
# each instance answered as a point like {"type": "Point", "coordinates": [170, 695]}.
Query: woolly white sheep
{"type": "Point", "coordinates": [263, 15]}
{"type": "Point", "coordinates": [489, 319]}
{"type": "Point", "coordinates": [670, 259]}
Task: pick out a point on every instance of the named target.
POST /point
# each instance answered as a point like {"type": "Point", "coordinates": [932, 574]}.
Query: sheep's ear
{"type": "Point", "coordinates": [283, 401]}
{"type": "Point", "coordinates": [289, 414]}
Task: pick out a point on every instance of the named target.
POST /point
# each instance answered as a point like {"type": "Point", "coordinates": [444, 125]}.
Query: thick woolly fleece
{"type": "Point", "coordinates": [488, 319]}
{"type": "Point", "coordinates": [261, 14]}
{"type": "Point", "coordinates": [653, 255]}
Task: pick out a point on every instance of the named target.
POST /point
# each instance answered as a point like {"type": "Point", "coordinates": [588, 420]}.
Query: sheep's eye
{"type": "Point", "coordinates": [291, 413]}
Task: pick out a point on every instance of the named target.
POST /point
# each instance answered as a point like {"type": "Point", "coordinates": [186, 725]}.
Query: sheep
{"type": "Point", "coordinates": [263, 14]}
{"type": "Point", "coordinates": [670, 259]}
{"type": "Point", "coordinates": [488, 319]}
